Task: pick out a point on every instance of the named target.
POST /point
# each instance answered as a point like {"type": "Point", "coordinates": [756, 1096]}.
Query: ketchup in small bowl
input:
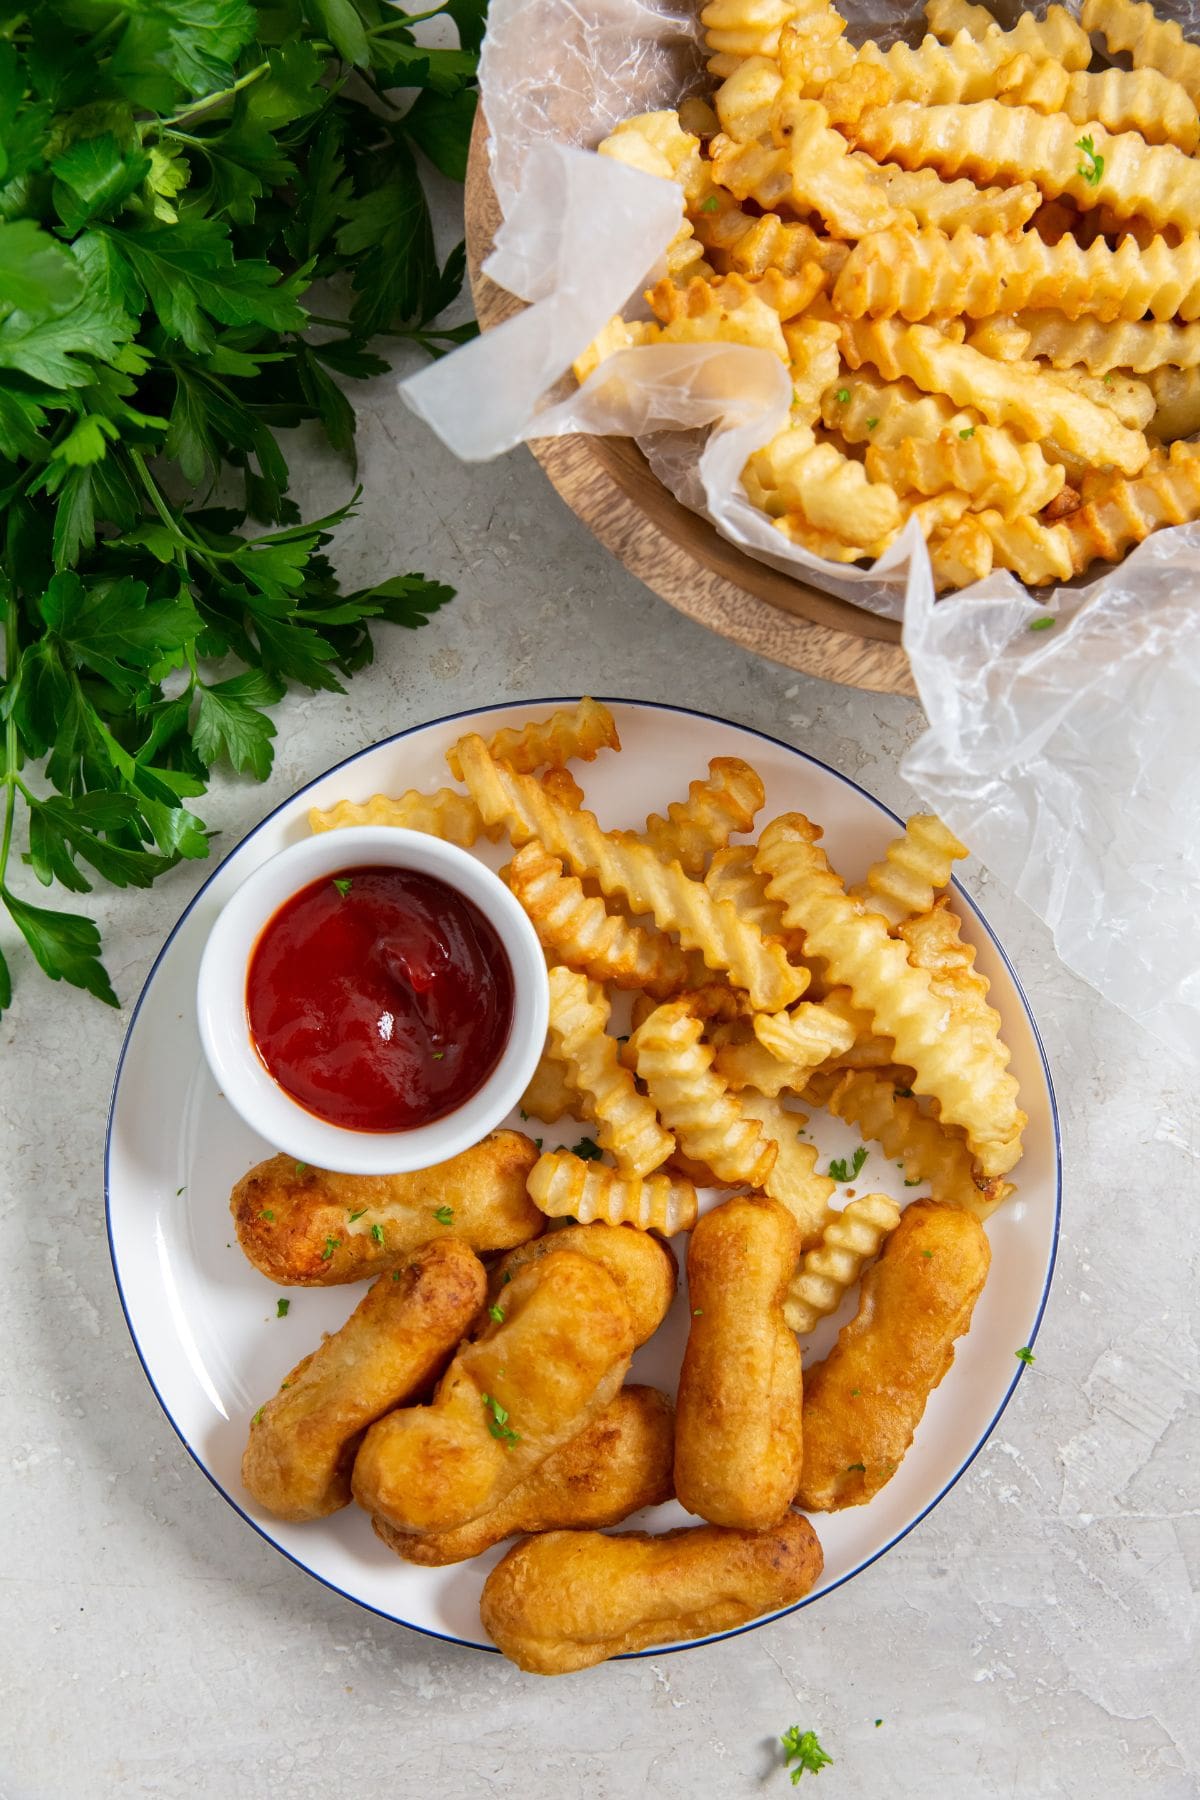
{"type": "Point", "coordinates": [379, 998]}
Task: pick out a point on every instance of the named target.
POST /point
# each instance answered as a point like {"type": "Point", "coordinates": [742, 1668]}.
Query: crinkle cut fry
{"type": "Point", "coordinates": [884, 413]}
{"type": "Point", "coordinates": [921, 274]}
{"type": "Point", "coordinates": [1120, 170]}
{"type": "Point", "coordinates": [575, 733]}
{"type": "Point", "coordinates": [1142, 100]}
{"type": "Point", "coordinates": [854, 941]}
{"type": "Point", "coordinates": [626, 1123]}
{"type": "Point", "coordinates": [1057, 37]}
{"type": "Point", "coordinates": [565, 1186]}
{"type": "Point", "coordinates": [1034, 404]}
{"type": "Point", "coordinates": [1141, 346]}
{"type": "Point", "coordinates": [949, 204]}
{"type": "Point", "coordinates": [930, 1152]}
{"type": "Point", "coordinates": [551, 1094]}
{"type": "Point", "coordinates": [623, 865]}
{"type": "Point", "coordinates": [737, 29]}
{"type": "Point", "coordinates": [1152, 42]}
{"type": "Point", "coordinates": [693, 1101]}
{"type": "Point", "coordinates": [722, 803]}
{"type": "Point", "coordinates": [792, 1179]}
{"type": "Point", "coordinates": [805, 1036]}
{"type": "Point", "coordinates": [986, 465]}
{"type": "Point", "coordinates": [445, 814]}
{"type": "Point", "coordinates": [578, 930]}
{"type": "Point", "coordinates": [849, 1241]}
{"type": "Point", "coordinates": [914, 867]}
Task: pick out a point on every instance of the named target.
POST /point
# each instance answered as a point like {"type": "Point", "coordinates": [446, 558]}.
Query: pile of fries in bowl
{"type": "Point", "coordinates": [978, 260]}
{"type": "Point", "coordinates": [479, 1389]}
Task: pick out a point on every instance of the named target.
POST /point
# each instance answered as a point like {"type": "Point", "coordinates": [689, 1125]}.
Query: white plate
{"type": "Point", "coordinates": [204, 1322]}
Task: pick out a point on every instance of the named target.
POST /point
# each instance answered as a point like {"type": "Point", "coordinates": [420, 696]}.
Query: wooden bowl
{"type": "Point", "coordinates": [607, 482]}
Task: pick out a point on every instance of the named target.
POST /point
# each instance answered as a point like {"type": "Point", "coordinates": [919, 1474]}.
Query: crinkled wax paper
{"type": "Point", "coordinates": [1066, 757]}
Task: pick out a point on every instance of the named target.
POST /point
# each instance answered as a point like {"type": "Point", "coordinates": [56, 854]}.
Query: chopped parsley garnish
{"type": "Point", "coordinates": [842, 396]}
{"type": "Point", "coordinates": [711, 204]}
{"type": "Point", "coordinates": [267, 1214]}
{"type": "Point", "coordinates": [331, 1244]}
{"type": "Point", "coordinates": [506, 1278]}
{"type": "Point", "coordinates": [968, 433]}
{"type": "Point", "coordinates": [1108, 380]}
{"type": "Point", "coordinates": [854, 1392]}
{"type": "Point", "coordinates": [179, 1191]}
{"type": "Point", "coordinates": [587, 1149]}
{"type": "Point", "coordinates": [498, 1424]}
{"type": "Point", "coordinates": [878, 1722]}
{"type": "Point", "coordinates": [802, 1748]}
{"type": "Point", "coordinates": [841, 1170]}
{"type": "Point", "coordinates": [343, 884]}
{"type": "Point", "coordinates": [928, 1254]}
{"type": "Point", "coordinates": [521, 1113]}
{"type": "Point", "coordinates": [697, 1311]}
{"type": "Point", "coordinates": [300, 1168]}
{"type": "Point", "coordinates": [1025, 1355]}
{"type": "Point", "coordinates": [395, 1274]}
{"type": "Point", "coordinates": [537, 1143]}
{"type": "Point", "coordinates": [357, 1215]}
{"type": "Point", "coordinates": [1040, 624]}
{"type": "Point", "coordinates": [856, 1468]}
{"type": "Point", "coordinates": [497, 1313]}
{"type": "Point", "coordinates": [871, 424]}
{"type": "Point", "coordinates": [281, 1308]}
{"type": "Point", "coordinates": [915, 1183]}
{"type": "Point", "coordinates": [904, 1093]}
{"type": "Point", "coordinates": [377, 1233]}
{"type": "Point", "coordinates": [444, 1215]}
{"type": "Point", "coordinates": [437, 1055]}
{"type": "Point", "coordinates": [1092, 167]}
{"type": "Point", "coordinates": [258, 1415]}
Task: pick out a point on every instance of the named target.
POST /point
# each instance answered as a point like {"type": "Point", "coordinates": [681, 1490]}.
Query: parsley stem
{"type": "Point", "coordinates": [11, 654]}
{"type": "Point", "coordinates": [212, 101]}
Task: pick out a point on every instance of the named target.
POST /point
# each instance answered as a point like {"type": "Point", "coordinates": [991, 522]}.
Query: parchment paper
{"type": "Point", "coordinates": [1068, 758]}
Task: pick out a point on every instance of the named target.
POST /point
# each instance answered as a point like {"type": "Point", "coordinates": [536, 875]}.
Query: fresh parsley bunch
{"type": "Point", "coordinates": [174, 177]}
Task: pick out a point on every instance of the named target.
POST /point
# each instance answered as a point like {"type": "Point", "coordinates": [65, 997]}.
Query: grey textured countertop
{"type": "Point", "coordinates": [1033, 1637]}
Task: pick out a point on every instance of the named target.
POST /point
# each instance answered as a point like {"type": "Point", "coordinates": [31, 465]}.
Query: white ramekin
{"type": "Point", "coordinates": [225, 1029]}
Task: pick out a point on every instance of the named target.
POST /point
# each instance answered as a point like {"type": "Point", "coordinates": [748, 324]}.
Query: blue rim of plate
{"type": "Point", "coordinates": [397, 737]}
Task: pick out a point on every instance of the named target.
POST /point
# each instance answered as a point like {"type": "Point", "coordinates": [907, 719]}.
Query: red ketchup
{"type": "Point", "coordinates": [379, 998]}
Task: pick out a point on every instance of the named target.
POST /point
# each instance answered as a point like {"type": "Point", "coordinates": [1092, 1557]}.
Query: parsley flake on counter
{"type": "Point", "coordinates": [841, 1170]}
{"type": "Point", "coordinates": [377, 1233]}
{"type": "Point", "coordinates": [803, 1748]}
{"type": "Point", "coordinates": [498, 1424]}
{"type": "Point", "coordinates": [1092, 167]}
{"type": "Point", "coordinates": [878, 1722]}
{"type": "Point", "coordinates": [444, 1215]}
{"type": "Point", "coordinates": [180, 1190]}
{"type": "Point", "coordinates": [281, 1308]}
{"type": "Point", "coordinates": [1041, 624]}
{"type": "Point", "coordinates": [343, 884]}
{"type": "Point", "coordinates": [331, 1244]}
{"type": "Point", "coordinates": [587, 1149]}
{"type": "Point", "coordinates": [1025, 1355]}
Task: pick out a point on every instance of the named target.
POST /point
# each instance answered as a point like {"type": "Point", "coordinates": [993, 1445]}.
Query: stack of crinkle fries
{"type": "Point", "coordinates": [978, 260]}
{"type": "Point", "coordinates": [528, 1277]}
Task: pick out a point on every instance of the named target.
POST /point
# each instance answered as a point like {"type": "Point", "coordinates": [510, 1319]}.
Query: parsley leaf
{"type": "Point", "coordinates": [1025, 1355]}
{"type": "Point", "coordinates": [1092, 166]}
{"type": "Point", "coordinates": [802, 1748]}
{"type": "Point", "coordinates": [444, 1215]}
{"type": "Point", "coordinates": [587, 1150]}
{"type": "Point", "coordinates": [841, 1170]}
{"type": "Point", "coordinates": [498, 1424]}
{"type": "Point", "coordinates": [281, 1308]}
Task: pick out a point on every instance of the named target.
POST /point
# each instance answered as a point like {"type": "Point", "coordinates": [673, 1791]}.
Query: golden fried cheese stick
{"type": "Point", "coordinates": [565, 1186]}
{"type": "Point", "coordinates": [865, 1401]}
{"type": "Point", "coordinates": [970, 1091]}
{"type": "Point", "coordinates": [738, 1448]}
{"type": "Point", "coordinates": [1117, 169]}
{"type": "Point", "coordinates": [533, 1379]}
{"type": "Point", "coordinates": [570, 1599]}
{"type": "Point", "coordinates": [398, 1338]}
{"type": "Point", "coordinates": [577, 929]}
{"type": "Point", "coordinates": [913, 868]}
{"type": "Point", "coordinates": [615, 1466]}
{"type": "Point", "coordinates": [723, 802]}
{"type": "Point", "coordinates": [626, 1122]}
{"type": "Point", "coordinates": [445, 814]}
{"type": "Point", "coordinates": [309, 1227]}
{"type": "Point", "coordinates": [850, 1239]}
{"type": "Point", "coordinates": [923, 273]}
{"type": "Point", "coordinates": [577, 733]}
{"type": "Point", "coordinates": [642, 1267]}
{"type": "Point", "coordinates": [623, 865]}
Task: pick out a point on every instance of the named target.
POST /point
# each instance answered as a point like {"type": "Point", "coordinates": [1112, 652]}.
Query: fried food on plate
{"type": "Point", "coordinates": [738, 1448]}
{"type": "Point", "coordinates": [570, 1599]}
{"type": "Point", "coordinates": [615, 1466]}
{"type": "Point", "coordinates": [310, 1227]}
{"type": "Point", "coordinates": [550, 1095]}
{"type": "Point", "coordinates": [538, 1373]}
{"type": "Point", "coordinates": [567, 1186]}
{"type": "Point", "coordinates": [577, 733]}
{"type": "Point", "coordinates": [642, 1267]}
{"type": "Point", "coordinates": [693, 1101]}
{"type": "Point", "coordinates": [624, 866]}
{"type": "Point", "coordinates": [626, 1122]}
{"type": "Point", "coordinates": [914, 868]}
{"type": "Point", "coordinates": [849, 1241]}
{"type": "Point", "coordinates": [792, 1178]}
{"type": "Point", "coordinates": [865, 1401]}
{"type": "Point", "coordinates": [951, 1066]}
{"type": "Point", "coordinates": [445, 814]}
{"type": "Point", "coordinates": [930, 1152]}
{"type": "Point", "coordinates": [398, 1338]}
{"type": "Point", "coordinates": [723, 802]}
{"type": "Point", "coordinates": [577, 929]}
